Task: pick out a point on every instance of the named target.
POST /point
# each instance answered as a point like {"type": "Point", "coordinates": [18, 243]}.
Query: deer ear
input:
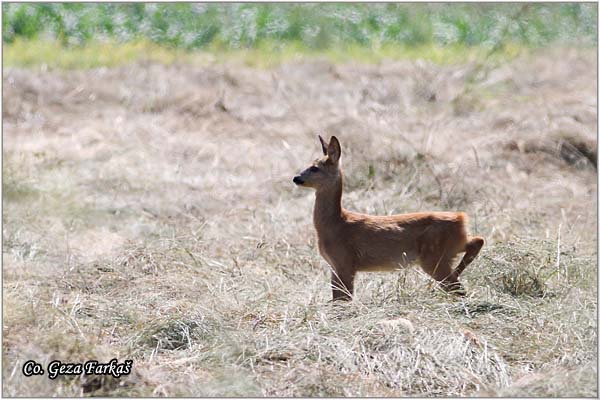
{"type": "Point", "coordinates": [323, 145]}
{"type": "Point", "coordinates": [334, 150]}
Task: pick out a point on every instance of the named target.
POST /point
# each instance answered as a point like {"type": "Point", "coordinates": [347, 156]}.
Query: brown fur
{"type": "Point", "coordinates": [351, 242]}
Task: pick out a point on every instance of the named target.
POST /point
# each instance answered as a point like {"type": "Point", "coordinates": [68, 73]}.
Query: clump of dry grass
{"type": "Point", "coordinates": [170, 334]}
{"type": "Point", "coordinates": [179, 242]}
{"type": "Point", "coordinates": [575, 149]}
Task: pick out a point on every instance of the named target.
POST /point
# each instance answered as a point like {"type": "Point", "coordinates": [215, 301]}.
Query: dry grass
{"type": "Point", "coordinates": [149, 214]}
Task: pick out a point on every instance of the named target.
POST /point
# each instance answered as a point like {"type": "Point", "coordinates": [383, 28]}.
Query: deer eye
{"type": "Point", "coordinates": [313, 169]}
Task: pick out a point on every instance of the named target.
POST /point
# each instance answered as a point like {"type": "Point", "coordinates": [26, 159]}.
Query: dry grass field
{"type": "Point", "coordinates": [149, 214]}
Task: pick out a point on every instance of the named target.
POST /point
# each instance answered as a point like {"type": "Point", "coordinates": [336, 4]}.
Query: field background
{"type": "Point", "coordinates": [149, 213]}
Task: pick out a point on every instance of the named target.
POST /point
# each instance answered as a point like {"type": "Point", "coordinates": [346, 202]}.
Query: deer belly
{"type": "Point", "coordinates": [380, 268]}
{"type": "Point", "coordinates": [393, 262]}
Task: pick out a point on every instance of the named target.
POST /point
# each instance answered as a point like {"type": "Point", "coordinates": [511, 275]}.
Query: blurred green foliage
{"type": "Point", "coordinates": [316, 26]}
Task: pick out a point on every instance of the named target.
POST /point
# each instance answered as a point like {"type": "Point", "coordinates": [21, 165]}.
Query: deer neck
{"type": "Point", "coordinates": [328, 207]}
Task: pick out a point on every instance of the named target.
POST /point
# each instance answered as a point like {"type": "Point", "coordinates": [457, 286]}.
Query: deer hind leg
{"type": "Point", "coordinates": [471, 251]}
{"type": "Point", "coordinates": [342, 285]}
{"type": "Point", "coordinates": [440, 269]}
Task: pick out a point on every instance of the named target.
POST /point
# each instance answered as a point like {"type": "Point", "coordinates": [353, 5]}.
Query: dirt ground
{"type": "Point", "coordinates": [149, 214]}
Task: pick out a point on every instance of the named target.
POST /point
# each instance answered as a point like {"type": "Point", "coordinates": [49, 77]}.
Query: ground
{"type": "Point", "coordinates": [149, 214]}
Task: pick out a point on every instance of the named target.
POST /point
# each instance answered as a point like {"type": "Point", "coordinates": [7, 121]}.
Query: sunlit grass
{"type": "Point", "coordinates": [32, 53]}
{"type": "Point", "coordinates": [269, 54]}
{"type": "Point", "coordinates": [53, 54]}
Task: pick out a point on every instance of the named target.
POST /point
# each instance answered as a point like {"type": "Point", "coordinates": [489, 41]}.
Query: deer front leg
{"type": "Point", "coordinates": [342, 284]}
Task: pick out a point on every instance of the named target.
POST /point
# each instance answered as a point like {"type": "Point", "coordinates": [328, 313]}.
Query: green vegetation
{"type": "Point", "coordinates": [32, 32]}
{"type": "Point", "coordinates": [193, 26]}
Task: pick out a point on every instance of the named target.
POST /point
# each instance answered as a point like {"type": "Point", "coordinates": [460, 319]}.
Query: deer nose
{"type": "Point", "coordinates": [298, 180]}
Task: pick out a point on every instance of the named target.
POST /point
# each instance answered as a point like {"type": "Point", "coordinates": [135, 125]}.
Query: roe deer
{"type": "Point", "coordinates": [351, 242]}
